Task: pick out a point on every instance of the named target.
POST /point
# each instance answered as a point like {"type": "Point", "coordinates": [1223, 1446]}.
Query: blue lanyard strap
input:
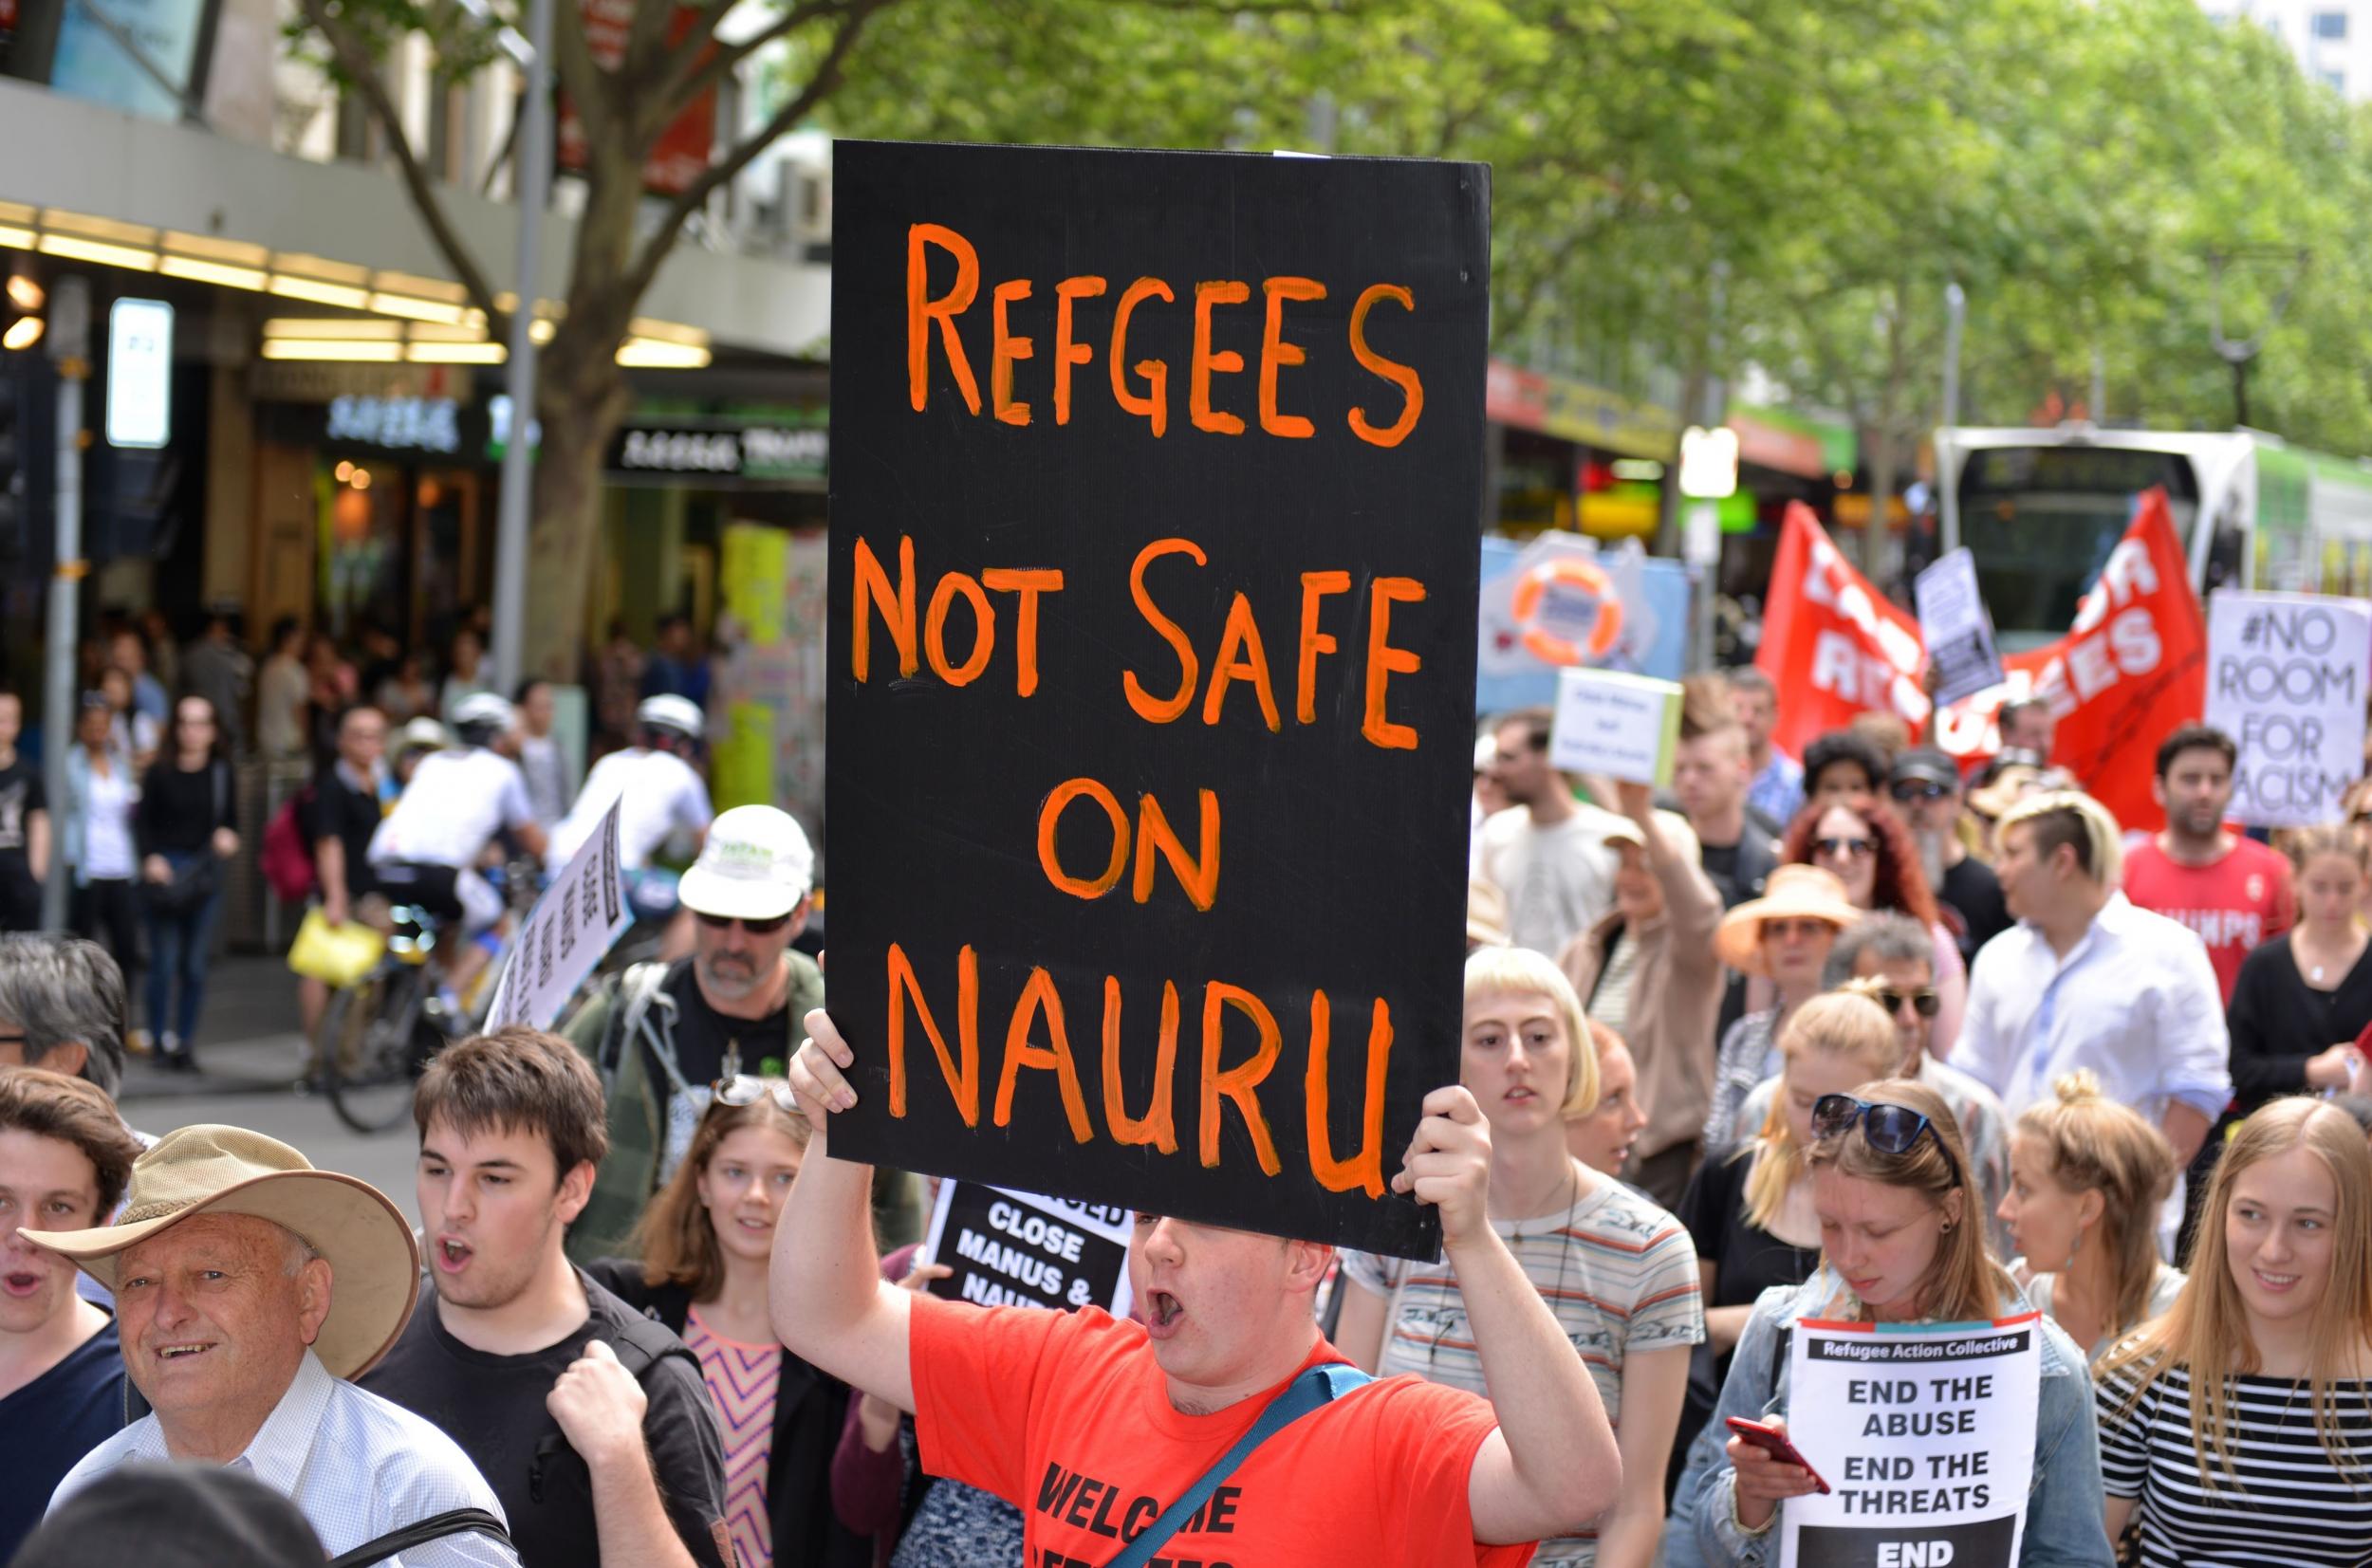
{"type": "Point", "coordinates": [1318, 1386]}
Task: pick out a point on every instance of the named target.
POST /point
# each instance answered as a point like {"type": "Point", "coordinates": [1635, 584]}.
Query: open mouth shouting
{"type": "Point", "coordinates": [453, 1254]}
{"type": "Point", "coordinates": [21, 1282]}
{"type": "Point", "coordinates": [1164, 1312]}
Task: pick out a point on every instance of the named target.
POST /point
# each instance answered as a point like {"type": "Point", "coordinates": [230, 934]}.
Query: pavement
{"type": "Point", "coordinates": [250, 1042]}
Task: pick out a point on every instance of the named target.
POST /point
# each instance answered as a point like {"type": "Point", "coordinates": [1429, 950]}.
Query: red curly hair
{"type": "Point", "coordinates": [1900, 884]}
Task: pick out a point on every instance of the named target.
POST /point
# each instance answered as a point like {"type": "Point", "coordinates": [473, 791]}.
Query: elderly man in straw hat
{"type": "Point", "coordinates": [249, 1289]}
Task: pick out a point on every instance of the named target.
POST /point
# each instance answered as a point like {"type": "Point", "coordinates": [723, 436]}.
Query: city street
{"type": "Point", "coordinates": [248, 1051]}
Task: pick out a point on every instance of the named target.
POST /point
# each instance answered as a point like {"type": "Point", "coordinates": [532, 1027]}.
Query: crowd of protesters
{"type": "Point", "coordinates": [158, 749]}
{"type": "Point", "coordinates": [1848, 1036]}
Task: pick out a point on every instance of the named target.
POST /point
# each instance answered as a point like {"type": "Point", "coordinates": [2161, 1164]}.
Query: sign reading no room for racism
{"type": "Point", "coordinates": [1151, 667]}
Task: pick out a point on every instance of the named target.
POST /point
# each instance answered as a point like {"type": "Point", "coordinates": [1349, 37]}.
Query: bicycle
{"type": "Point", "coordinates": [379, 1035]}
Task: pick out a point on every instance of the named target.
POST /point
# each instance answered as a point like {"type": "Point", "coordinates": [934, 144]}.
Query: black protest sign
{"type": "Point", "coordinates": [1017, 1249]}
{"type": "Point", "coordinates": [1151, 684]}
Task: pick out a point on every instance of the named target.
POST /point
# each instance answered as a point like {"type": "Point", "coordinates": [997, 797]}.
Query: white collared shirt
{"type": "Point", "coordinates": [2134, 1001]}
{"type": "Point", "coordinates": [358, 1465]}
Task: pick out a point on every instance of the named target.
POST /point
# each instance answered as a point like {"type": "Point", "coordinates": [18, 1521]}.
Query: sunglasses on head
{"type": "Point", "coordinates": [1851, 849]}
{"type": "Point", "coordinates": [1923, 1002]}
{"type": "Point", "coordinates": [755, 928]}
{"type": "Point", "coordinates": [1918, 789]}
{"type": "Point", "coordinates": [1890, 1129]}
{"type": "Point", "coordinates": [748, 1089]}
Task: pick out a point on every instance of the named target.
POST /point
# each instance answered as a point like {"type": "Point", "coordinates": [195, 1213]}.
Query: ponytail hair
{"type": "Point", "coordinates": [2093, 1144]}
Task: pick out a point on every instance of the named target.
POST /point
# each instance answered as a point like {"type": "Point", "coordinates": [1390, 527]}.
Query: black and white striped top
{"type": "Point", "coordinates": [2292, 1505]}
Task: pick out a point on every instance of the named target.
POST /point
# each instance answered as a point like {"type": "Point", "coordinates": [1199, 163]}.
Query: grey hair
{"type": "Point", "coordinates": [1889, 936]}
{"type": "Point", "coordinates": [295, 1250]}
{"type": "Point", "coordinates": [63, 990]}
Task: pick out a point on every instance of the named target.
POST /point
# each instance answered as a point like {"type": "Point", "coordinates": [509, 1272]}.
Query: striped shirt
{"type": "Point", "coordinates": [744, 1380]}
{"type": "Point", "coordinates": [1619, 1273]}
{"type": "Point", "coordinates": [2289, 1506]}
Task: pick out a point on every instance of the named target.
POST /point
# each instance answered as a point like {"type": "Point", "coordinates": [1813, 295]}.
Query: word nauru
{"type": "Point", "coordinates": [1038, 1039]}
{"type": "Point", "coordinates": [1150, 399]}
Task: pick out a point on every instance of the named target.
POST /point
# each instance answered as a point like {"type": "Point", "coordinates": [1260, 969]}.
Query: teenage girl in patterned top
{"type": "Point", "coordinates": [707, 1240]}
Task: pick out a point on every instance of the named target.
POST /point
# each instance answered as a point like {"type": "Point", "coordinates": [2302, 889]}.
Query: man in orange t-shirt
{"type": "Point", "coordinates": [1092, 1427]}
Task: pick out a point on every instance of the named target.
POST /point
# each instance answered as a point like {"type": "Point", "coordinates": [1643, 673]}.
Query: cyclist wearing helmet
{"type": "Point", "coordinates": [427, 850]}
{"type": "Point", "coordinates": [658, 792]}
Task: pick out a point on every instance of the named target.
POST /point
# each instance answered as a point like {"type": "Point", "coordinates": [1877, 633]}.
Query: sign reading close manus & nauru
{"type": "Point", "coordinates": [1152, 662]}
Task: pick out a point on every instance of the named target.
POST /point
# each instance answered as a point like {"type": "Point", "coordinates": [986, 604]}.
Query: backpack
{"type": "Point", "coordinates": [286, 858]}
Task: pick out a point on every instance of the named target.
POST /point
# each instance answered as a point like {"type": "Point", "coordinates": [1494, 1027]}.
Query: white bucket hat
{"type": "Point", "coordinates": [756, 865]}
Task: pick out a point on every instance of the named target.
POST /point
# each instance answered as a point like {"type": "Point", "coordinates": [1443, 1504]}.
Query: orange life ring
{"type": "Point", "coordinates": [1573, 573]}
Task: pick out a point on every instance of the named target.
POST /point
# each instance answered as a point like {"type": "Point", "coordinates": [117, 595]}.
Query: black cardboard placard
{"type": "Point", "coordinates": [1048, 846]}
{"type": "Point", "coordinates": [1006, 1248]}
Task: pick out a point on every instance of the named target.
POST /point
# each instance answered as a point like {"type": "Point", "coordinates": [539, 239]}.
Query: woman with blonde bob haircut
{"type": "Point", "coordinates": [2086, 1177]}
{"type": "Point", "coordinates": [706, 1241]}
{"type": "Point", "coordinates": [2268, 1457]}
{"type": "Point", "coordinates": [1902, 1241]}
{"type": "Point", "coordinates": [1619, 1272]}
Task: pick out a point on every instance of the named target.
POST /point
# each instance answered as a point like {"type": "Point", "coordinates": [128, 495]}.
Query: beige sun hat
{"type": "Point", "coordinates": [374, 1263]}
{"type": "Point", "coordinates": [1790, 892]}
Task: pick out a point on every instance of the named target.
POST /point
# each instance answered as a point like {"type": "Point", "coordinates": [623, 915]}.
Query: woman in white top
{"type": "Point", "coordinates": [1619, 1272]}
{"type": "Point", "coordinates": [2086, 1177]}
{"type": "Point", "coordinates": [102, 794]}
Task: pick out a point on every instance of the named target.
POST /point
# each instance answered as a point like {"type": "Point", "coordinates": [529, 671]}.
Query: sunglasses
{"type": "Point", "coordinates": [1849, 849]}
{"type": "Point", "coordinates": [748, 1089]}
{"type": "Point", "coordinates": [755, 928]}
{"type": "Point", "coordinates": [1907, 790]}
{"type": "Point", "coordinates": [1924, 1003]}
{"type": "Point", "coordinates": [1891, 1129]}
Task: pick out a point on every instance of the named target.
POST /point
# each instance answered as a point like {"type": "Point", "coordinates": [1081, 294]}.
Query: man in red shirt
{"type": "Point", "coordinates": [1092, 1427]}
{"type": "Point", "coordinates": [2234, 891]}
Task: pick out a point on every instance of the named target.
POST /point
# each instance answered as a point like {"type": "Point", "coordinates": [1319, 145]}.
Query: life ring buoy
{"type": "Point", "coordinates": [1544, 605]}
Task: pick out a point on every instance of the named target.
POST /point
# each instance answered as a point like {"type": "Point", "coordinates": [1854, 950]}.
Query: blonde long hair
{"type": "Point", "coordinates": [2206, 1331]}
{"type": "Point", "coordinates": [1844, 1023]}
{"type": "Point", "coordinates": [1964, 1285]}
{"type": "Point", "coordinates": [2092, 1144]}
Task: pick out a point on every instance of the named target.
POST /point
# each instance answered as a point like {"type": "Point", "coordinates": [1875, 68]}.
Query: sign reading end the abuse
{"type": "Point", "coordinates": [1925, 1436]}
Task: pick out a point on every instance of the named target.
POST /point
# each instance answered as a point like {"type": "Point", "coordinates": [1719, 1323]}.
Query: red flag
{"type": "Point", "coordinates": [2132, 669]}
{"type": "Point", "coordinates": [1832, 644]}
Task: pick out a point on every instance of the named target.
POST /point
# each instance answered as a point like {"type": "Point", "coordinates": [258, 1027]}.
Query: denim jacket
{"type": "Point", "coordinates": [2064, 1522]}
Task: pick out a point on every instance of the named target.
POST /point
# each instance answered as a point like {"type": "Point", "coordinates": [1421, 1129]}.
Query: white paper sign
{"type": "Point", "coordinates": [1957, 628]}
{"type": "Point", "coordinates": [1925, 1436]}
{"type": "Point", "coordinates": [2285, 678]}
{"type": "Point", "coordinates": [139, 373]}
{"type": "Point", "coordinates": [1011, 1248]}
{"type": "Point", "coordinates": [1625, 726]}
{"type": "Point", "coordinates": [564, 937]}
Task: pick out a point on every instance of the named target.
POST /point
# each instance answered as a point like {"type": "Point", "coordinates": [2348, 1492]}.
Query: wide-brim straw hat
{"type": "Point", "coordinates": [374, 1263]}
{"type": "Point", "coordinates": [1790, 892]}
{"type": "Point", "coordinates": [1486, 914]}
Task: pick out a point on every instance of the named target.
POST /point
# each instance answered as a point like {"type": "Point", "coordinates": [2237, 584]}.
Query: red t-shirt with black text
{"type": "Point", "coordinates": [1067, 1416]}
{"type": "Point", "coordinates": [2239, 901]}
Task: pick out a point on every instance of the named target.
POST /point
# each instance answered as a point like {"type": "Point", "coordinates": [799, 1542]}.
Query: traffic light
{"type": "Point", "coordinates": [21, 320]}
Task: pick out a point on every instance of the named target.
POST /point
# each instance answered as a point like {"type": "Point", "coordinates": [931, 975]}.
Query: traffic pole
{"type": "Point", "coordinates": [70, 350]}
{"type": "Point", "coordinates": [532, 187]}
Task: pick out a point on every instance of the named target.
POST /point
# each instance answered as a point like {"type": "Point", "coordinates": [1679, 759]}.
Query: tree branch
{"type": "Point", "coordinates": [580, 75]}
{"type": "Point", "coordinates": [363, 71]}
{"type": "Point", "coordinates": [820, 86]}
{"type": "Point", "coordinates": [699, 64]}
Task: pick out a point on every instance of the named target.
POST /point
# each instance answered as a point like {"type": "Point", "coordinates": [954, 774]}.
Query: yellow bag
{"type": "Point", "coordinates": [338, 955]}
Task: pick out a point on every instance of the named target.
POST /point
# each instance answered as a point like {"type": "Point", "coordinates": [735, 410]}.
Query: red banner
{"type": "Point", "coordinates": [1833, 645]}
{"type": "Point", "coordinates": [2132, 668]}
{"type": "Point", "coordinates": [682, 151]}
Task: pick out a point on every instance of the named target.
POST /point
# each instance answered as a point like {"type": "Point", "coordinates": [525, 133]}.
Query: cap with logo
{"type": "Point", "coordinates": [755, 865]}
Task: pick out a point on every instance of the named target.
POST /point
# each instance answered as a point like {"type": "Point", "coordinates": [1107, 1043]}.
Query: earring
{"type": "Point", "coordinates": [1947, 1227]}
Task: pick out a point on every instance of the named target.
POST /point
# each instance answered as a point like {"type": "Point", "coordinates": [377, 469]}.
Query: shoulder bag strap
{"type": "Point", "coordinates": [1319, 1386]}
{"type": "Point", "coordinates": [435, 1527]}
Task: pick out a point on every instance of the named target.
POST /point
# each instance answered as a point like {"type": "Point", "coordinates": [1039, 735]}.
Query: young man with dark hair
{"type": "Point", "coordinates": [1776, 788]}
{"type": "Point", "coordinates": [590, 1421]}
{"type": "Point", "coordinates": [2234, 891]}
{"type": "Point", "coordinates": [1735, 845]}
{"type": "Point", "coordinates": [2027, 725]}
{"type": "Point", "coordinates": [1548, 852]}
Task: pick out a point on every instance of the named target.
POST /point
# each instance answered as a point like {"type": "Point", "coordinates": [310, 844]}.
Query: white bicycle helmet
{"type": "Point", "coordinates": [679, 715]}
{"type": "Point", "coordinates": [481, 714]}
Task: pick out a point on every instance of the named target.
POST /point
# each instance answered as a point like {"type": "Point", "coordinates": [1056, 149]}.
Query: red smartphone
{"type": "Point", "coordinates": [1774, 1443]}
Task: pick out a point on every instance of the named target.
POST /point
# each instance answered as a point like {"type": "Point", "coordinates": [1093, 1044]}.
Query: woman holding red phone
{"type": "Point", "coordinates": [1903, 1240]}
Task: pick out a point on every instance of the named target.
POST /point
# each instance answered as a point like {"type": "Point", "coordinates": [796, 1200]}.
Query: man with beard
{"type": "Point", "coordinates": [1926, 790]}
{"type": "Point", "coordinates": [2234, 891]}
{"type": "Point", "coordinates": [590, 1421]}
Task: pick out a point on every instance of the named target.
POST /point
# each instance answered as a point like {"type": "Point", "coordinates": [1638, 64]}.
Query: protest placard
{"type": "Point", "coordinates": [1009, 1248]}
{"type": "Point", "coordinates": [1957, 630]}
{"type": "Point", "coordinates": [565, 936]}
{"type": "Point", "coordinates": [1151, 670]}
{"type": "Point", "coordinates": [1925, 1434]}
{"type": "Point", "coordinates": [1625, 726]}
{"type": "Point", "coordinates": [2286, 680]}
